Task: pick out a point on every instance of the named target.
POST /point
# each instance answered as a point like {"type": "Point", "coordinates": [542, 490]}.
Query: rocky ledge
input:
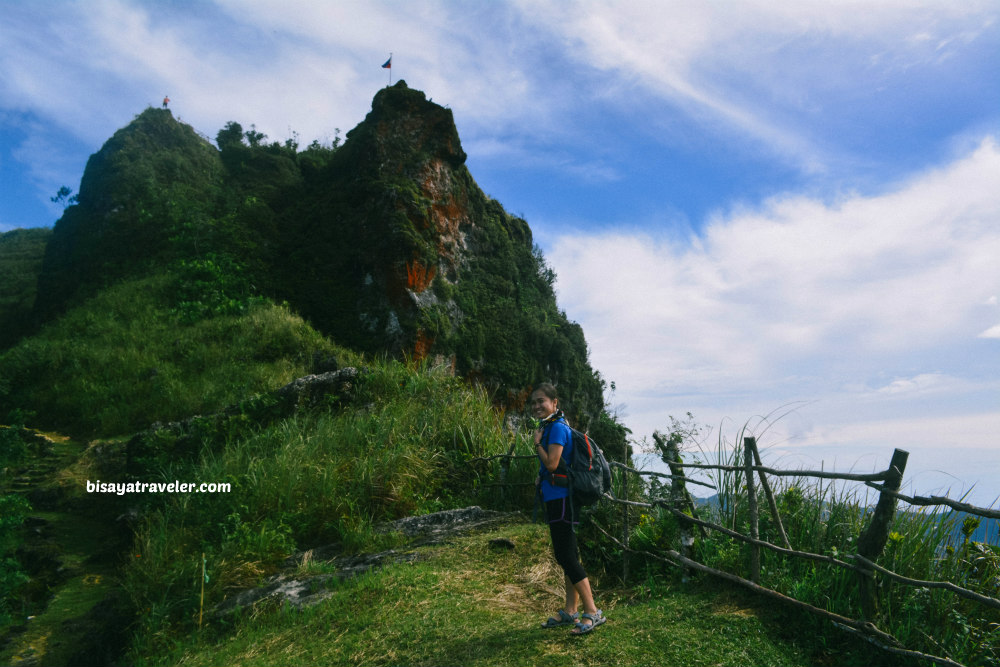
{"type": "Point", "coordinates": [301, 591]}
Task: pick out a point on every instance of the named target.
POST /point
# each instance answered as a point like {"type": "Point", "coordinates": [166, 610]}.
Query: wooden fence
{"type": "Point", "coordinates": [870, 544]}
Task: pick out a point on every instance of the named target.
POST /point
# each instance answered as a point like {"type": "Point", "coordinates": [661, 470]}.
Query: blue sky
{"type": "Point", "coordinates": [749, 204]}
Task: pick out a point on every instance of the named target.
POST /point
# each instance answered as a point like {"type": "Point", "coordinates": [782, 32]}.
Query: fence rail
{"type": "Point", "coordinates": [927, 501]}
{"type": "Point", "coordinates": [662, 475]}
{"type": "Point", "coordinates": [871, 542]}
{"type": "Point", "coordinates": [851, 477]}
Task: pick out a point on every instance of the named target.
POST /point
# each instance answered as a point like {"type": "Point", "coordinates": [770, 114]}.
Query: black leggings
{"type": "Point", "coordinates": [561, 520]}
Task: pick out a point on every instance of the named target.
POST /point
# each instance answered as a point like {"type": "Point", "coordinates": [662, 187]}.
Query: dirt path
{"type": "Point", "coordinates": [70, 552]}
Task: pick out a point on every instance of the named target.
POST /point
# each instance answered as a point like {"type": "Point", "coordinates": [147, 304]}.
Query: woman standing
{"type": "Point", "coordinates": [554, 445]}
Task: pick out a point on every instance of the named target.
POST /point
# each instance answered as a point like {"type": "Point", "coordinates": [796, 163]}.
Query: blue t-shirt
{"type": "Point", "coordinates": [555, 433]}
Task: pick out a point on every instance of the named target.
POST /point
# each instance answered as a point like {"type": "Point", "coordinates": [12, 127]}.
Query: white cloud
{"type": "Point", "coordinates": [795, 280]}
{"type": "Point", "coordinates": [868, 308]}
{"type": "Point", "coordinates": [479, 60]}
{"type": "Point", "coordinates": [992, 332]}
{"type": "Point", "coordinates": [306, 66]}
{"type": "Point", "coordinates": [311, 67]}
{"type": "Point", "coordinates": [923, 383]}
{"type": "Point", "coordinates": [970, 431]}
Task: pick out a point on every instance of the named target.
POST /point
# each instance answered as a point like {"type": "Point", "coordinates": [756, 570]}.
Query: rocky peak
{"type": "Point", "coordinates": [410, 198]}
{"type": "Point", "coordinates": [405, 130]}
{"type": "Point", "coordinates": [411, 141]}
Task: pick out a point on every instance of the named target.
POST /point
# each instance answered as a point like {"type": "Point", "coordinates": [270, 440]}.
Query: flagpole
{"type": "Point", "coordinates": [388, 65]}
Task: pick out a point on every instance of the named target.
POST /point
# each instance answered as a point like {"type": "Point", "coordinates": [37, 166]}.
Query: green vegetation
{"type": "Point", "coordinates": [67, 611]}
{"type": "Point", "coordinates": [311, 479]}
{"type": "Point", "coordinates": [13, 511]}
{"type": "Point", "coordinates": [21, 253]}
{"type": "Point", "coordinates": [463, 603]}
{"type": "Point", "coordinates": [132, 356]}
{"type": "Point", "coordinates": [385, 244]}
{"type": "Point", "coordinates": [824, 518]}
{"type": "Point", "coordinates": [153, 180]}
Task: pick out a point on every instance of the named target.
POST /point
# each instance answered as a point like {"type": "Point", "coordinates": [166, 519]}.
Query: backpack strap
{"type": "Point", "coordinates": [538, 502]}
{"type": "Point", "coordinates": [568, 468]}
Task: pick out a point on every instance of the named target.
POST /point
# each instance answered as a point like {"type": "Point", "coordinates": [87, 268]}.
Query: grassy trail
{"type": "Point", "coordinates": [80, 546]}
{"type": "Point", "coordinates": [466, 603]}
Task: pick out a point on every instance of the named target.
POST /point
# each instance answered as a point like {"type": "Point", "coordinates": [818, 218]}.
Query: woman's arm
{"type": "Point", "coordinates": [551, 458]}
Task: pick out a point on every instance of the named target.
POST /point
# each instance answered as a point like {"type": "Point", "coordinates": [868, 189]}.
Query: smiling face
{"type": "Point", "coordinates": [542, 406]}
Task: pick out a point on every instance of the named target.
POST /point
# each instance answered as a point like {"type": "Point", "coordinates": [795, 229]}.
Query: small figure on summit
{"type": "Point", "coordinates": [166, 101]}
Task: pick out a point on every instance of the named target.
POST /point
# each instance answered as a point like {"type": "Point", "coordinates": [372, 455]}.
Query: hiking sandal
{"type": "Point", "coordinates": [595, 619]}
{"type": "Point", "coordinates": [564, 619]}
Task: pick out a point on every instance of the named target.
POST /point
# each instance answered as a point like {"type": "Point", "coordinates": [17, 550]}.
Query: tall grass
{"type": "Point", "coordinates": [316, 478]}
{"type": "Point", "coordinates": [122, 360]}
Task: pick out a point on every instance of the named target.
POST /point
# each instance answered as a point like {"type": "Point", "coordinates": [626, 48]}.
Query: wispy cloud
{"type": "Point", "coordinates": [776, 73]}
{"type": "Point", "coordinates": [766, 78]}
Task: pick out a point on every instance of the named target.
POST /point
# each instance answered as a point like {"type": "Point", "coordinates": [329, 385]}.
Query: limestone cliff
{"type": "Point", "coordinates": [385, 243]}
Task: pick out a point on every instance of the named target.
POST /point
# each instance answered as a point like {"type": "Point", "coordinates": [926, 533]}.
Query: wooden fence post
{"type": "Point", "coordinates": [770, 496]}
{"type": "Point", "coordinates": [873, 538]}
{"type": "Point", "coordinates": [625, 529]}
{"type": "Point", "coordinates": [679, 499]}
{"type": "Point", "coordinates": [748, 446]}
{"type": "Point", "coordinates": [672, 456]}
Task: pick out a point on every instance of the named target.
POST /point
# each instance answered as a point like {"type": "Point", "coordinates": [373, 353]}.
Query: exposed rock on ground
{"type": "Point", "coordinates": [302, 591]}
{"type": "Point", "coordinates": [439, 525]}
{"type": "Point", "coordinates": [311, 389]}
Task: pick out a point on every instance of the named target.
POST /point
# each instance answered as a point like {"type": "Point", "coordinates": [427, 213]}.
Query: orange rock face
{"type": "Point", "coordinates": [419, 276]}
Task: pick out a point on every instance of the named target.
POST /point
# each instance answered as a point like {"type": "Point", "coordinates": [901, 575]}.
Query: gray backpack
{"type": "Point", "coordinates": [588, 475]}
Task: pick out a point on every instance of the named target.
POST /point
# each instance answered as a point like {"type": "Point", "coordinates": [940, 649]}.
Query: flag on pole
{"type": "Point", "coordinates": [388, 65]}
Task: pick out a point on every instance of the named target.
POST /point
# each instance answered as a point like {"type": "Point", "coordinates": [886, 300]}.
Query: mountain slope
{"type": "Point", "coordinates": [385, 243]}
